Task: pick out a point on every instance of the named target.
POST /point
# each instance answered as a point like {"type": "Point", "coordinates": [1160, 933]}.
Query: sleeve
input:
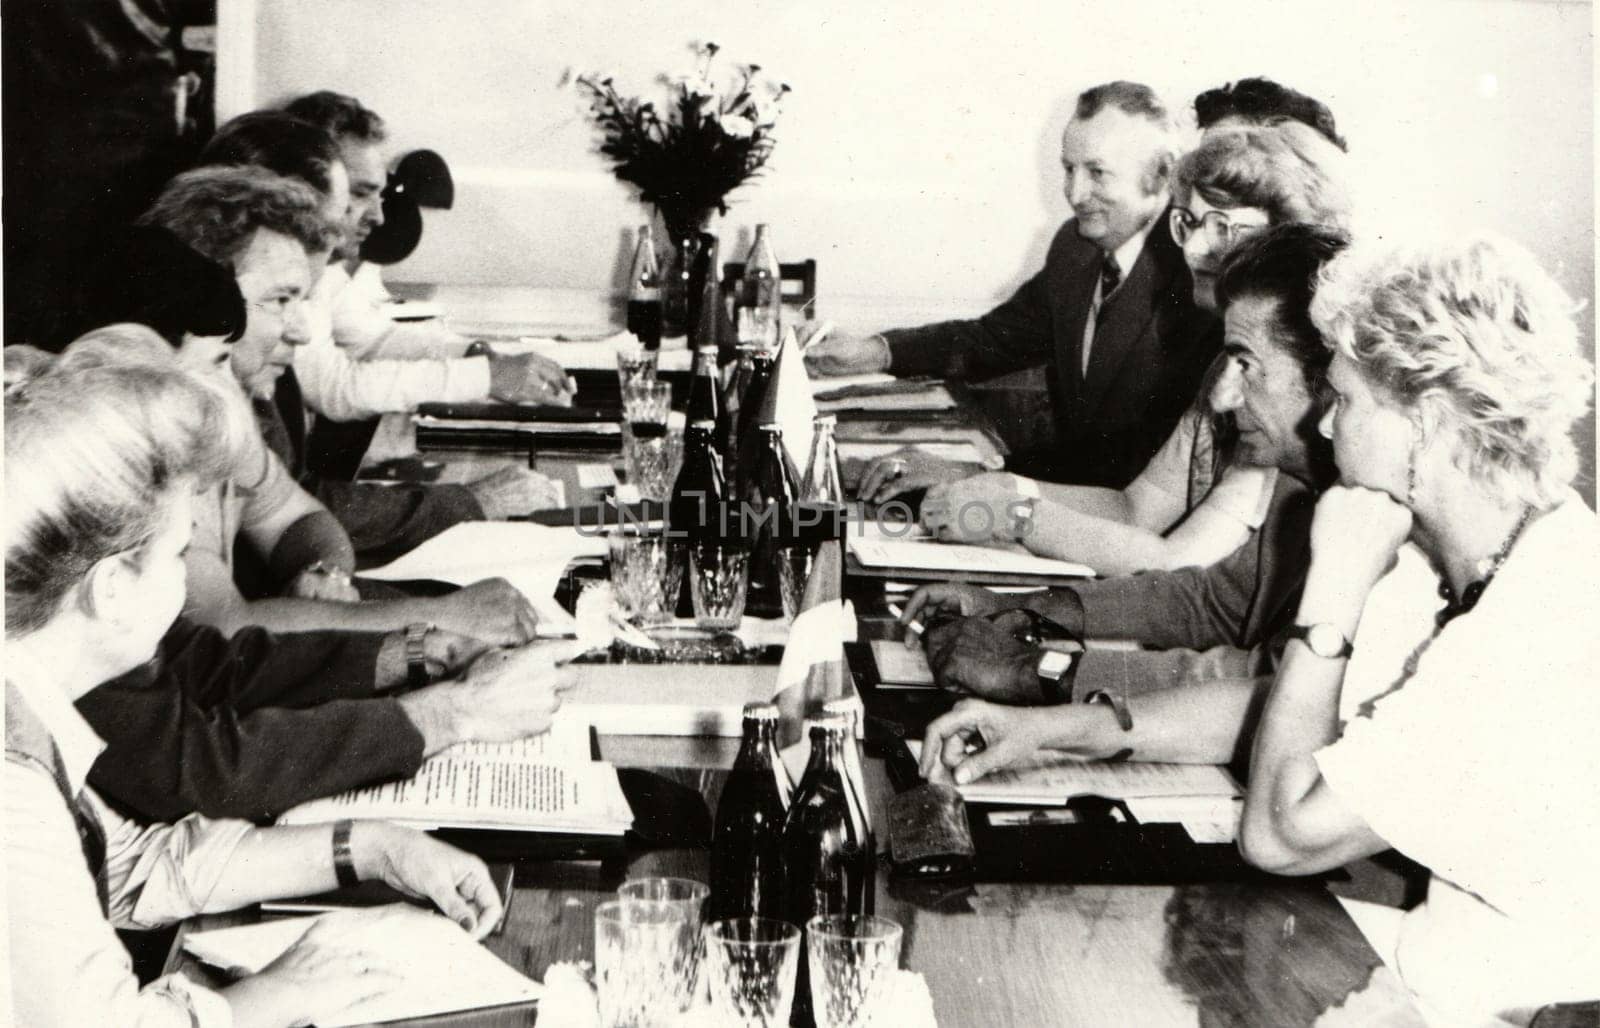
{"type": "Point", "coordinates": [1017, 334]}
{"type": "Point", "coordinates": [1243, 493]}
{"type": "Point", "coordinates": [1168, 470]}
{"type": "Point", "coordinates": [75, 969]}
{"type": "Point", "coordinates": [339, 387]}
{"type": "Point", "coordinates": [1132, 672]}
{"type": "Point", "coordinates": [268, 498]}
{"type": "Point", "coordinates": [387, 520]}
{"type": "Point", "coordinates": [247, 726]}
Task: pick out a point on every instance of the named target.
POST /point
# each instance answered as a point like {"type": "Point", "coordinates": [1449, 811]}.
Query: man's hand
{"type": "Point", "coordinates": [948, 600]}
{"type": "Point", "coordinates": [528, 378]}
{"type": "Point", "coordinates": [977, 738]}
{"type": "Point", "coordinates": [981, 657]}
{"type": "Point", "coordinates": [513, 491]}
{"type": "Point", "coordinates": [491, 610]}
{"type": "Point", "coordinates": [319, 583]}
{"type": "Point", "coordinates": [978, 509]}
{"type": "Point", "coordinates": [421, 866]}
{"type": "Point", "coordinates": [1355, 536]}
{"type": "Point", "coordinates": [343, 959]}
{"type": "Point", "coordinates": [906, 470]}
{"type": "Point", "coordinates": [839, 354]}
{"type": "Point", "coordinates": [506, 694]}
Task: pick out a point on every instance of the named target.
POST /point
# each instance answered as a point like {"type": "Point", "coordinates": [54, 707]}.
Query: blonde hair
{"type": "Point", "coordinates": [1476, 326]}
{"type": "Point", "coordinates": [93, 452]}
{"type": "Point", "coordinates": [1287, 169]}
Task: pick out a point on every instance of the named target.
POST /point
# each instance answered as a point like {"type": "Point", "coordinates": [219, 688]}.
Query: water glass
{"type": "Point", "coordinates": [794, 570]}
{"type": "Point", "coordinates": [651, 454]}
{"type": "Point", "coordinates": [646, 962]}
{"type": "Point", "coordinates": [646, 402]}
{"type": "Point", "coordinates": [719, 574]}
{"type": "Point", "coordinates": [635, 365]}
{"type": "Point", "coordinates": [644, 575]}
{"type": "Point", "coordinates": [689, 894]}
{"type": "Point", "coordinates": [848, 955]}
{"type": "Point", "coordinates": [751, 964]}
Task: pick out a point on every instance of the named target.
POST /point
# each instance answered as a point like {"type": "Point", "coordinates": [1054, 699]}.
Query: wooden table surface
{"type": "Point", "coordinates": [1024, 954]}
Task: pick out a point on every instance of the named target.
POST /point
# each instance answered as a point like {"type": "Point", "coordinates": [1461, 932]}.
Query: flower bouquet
{"type": "Point", "coordinates": [713, 135]}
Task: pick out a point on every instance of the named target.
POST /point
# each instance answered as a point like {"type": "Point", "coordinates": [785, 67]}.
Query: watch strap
{"type": "Point", "coordinates": [344, 864]}
{"type": "Point", "coordinates": [1304, 632]}
{"type": "Point", "coordinates": [417, 654]}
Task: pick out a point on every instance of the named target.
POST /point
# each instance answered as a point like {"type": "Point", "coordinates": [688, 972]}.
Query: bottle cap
{"type": "Point", "coordinates": [829, 723]}
{"type": "Point", "coordinates": [843, 707]}
{"type": "Point", "coordinates": [825, 419]}
{"type": "Point", "coordinates": [761, 711]}
{"type": "Point", "coordinates": [771, 426]}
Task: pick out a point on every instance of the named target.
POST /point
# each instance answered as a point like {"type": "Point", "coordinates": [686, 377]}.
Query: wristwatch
{"type": "Point", "coordinates": [417, 654]}
{"type": "Point", "coordinates": [1052, 671]}
{"type": "Point", "coordinates": [1323, 639]}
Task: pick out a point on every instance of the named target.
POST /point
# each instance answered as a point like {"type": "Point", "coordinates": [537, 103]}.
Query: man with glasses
{"type": "Point", "coordinates": [1110, 315]}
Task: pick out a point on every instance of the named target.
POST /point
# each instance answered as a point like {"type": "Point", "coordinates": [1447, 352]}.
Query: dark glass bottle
{"type": "Point", "coordinates": [746, 443]}
{"type": "Point", "coordinates": [825, 866]}
{"type": "Point", "coordinates": [760, 302]}
{"type": "Point", "coordinates": [645, 306]}
{"type": "Point", "coordinates": [705, 393]}
{"type": "Point", "coordinates": [768, 496]}
{"type": "Point", "coordinates": [705, 297]}
{"type": "Point", "coordinates": [747, 846]}
{"type": "Point", "coordinates": [822, 513]}
{"type": "Point", "coordinates": [856, 779]}
{"type": "Point", "coordinates": [695, 509]}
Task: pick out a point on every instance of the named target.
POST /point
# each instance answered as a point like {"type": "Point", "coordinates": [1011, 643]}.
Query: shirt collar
{"type": "Point", "coordinates": [1127, 254]}
{"type": "Point", "coordinates": [77, 743]}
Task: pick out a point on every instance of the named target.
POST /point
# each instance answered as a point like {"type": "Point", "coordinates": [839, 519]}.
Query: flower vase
{"type": "Point", "coordinates": [682, 232]}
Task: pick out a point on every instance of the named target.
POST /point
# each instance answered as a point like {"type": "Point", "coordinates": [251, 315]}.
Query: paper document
{"type": "Point", "coordinates": [934, 397]}
{"type": "Point", "coordinates": [899, 665]}
{"type": "Point", "coordinates": [964, 452]}
{"type": "Point", "coordinates": [567, 742]}
{"type": "Point", "coordinates": [439, 966]}
{"type": "Point", "coordinates": [598, 354]}
{"type": "Point", "coordinates": [1053, 783]}
{"type": "Point", "coordinates": [597, 476]}
{"type": "Point", "coordinates": [836, 382]}
{"type": "Point", "coordinates": [1207, 819]}
{"type": "Point", "coordinates": [664, 699]}
{"type": "Point", "coordinates": [934, 556]}
{"type": "Point", "coordinates": [531, 557]}
{"type": "Point", "coordinates": [502, 789]}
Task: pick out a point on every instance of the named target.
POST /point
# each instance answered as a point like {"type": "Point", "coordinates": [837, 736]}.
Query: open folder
{"type": "Point", "coordinates": [911, 555]}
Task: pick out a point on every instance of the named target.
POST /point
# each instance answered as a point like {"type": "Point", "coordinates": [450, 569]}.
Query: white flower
{"type": "Point", "coordinates": [738, 126]}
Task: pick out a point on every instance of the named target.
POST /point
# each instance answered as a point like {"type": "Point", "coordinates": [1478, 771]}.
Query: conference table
{"type": "Point", "coordinates": [1038, 947]}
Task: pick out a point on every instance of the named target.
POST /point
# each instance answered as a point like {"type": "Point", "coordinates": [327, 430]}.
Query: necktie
{"type": "Point", "coordinates": [1110, 277]}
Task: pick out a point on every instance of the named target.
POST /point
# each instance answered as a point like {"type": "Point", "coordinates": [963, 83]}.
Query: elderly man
{"type": "Point", "coordinates": [1211, 622]}
{"type": "Point", "coordinates": [1110, 314]}
{"type": "Point", "coordinates": [270, 231]}
{"type": "Point", "coordinates": [358, 362]}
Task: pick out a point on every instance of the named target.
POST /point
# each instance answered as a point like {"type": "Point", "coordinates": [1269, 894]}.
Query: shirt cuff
{"type": "Point", "coordinates": [207, 1008]}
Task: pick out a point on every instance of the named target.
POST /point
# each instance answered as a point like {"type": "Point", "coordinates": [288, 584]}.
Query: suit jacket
{"type": "Point", "coordinates": [384, 521]}
{"type": "Point", "coordinates": [1150, 351]}
{"type": "Point", "coordinates": [246, 726]}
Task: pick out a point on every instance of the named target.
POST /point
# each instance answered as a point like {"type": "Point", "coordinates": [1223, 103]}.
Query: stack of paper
{"type": "Point", "coordinates": [440, 968]}
{"type": "Point", "coordinates": [893, 398]}
{"type": "Point", "coordinates": [531, 557]}
{"type": "Point", "coordinates": [920, 555]}
{"type": "Point", "coordinates": [665, 699]}
{"type": "Point", "coordinates": [599, 354]}
{"type": "Point", "coordinates": [543, 784]}
{"type": "Point", "coordinates": [1055, 782]}
{"type": "Point", "coordinates": [962, 452]}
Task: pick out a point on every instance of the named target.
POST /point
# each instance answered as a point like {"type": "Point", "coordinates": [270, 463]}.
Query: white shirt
{"type": "Point", "coordinates": [340, 385]}
{"type": "Point", "coordinates": [1485, 766]}
{"type": "Point", "coordinates": [67, 965]}
{"type": "Point", "coordinates": [1127, 255]}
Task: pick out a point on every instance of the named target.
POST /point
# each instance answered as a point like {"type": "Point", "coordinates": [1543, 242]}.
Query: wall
{"type": "Point", "coordinates": [918, 156]}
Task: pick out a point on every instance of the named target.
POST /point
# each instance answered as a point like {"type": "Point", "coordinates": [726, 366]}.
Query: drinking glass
{"type": "Point", "coordinates": [651, 454]}
{"type": "Point", "coordinates": [794, 569]}
{"type": "Point", "coordinates": [644, 575]}
{"type": "Point", "coordinates": [646, 962]}
{"type": "Point", "coordinates": [686, 892]}
{"type": "Point", "coordinates": [751, 964]}
{"type": "Point", "coordinates": [847, 956]}
{"type": "Point", "coordinates": [646, 402]}
{"type": "Point", "coordinates": [635, 365]}
{"type": "Point", "coordinates": [719, 574]}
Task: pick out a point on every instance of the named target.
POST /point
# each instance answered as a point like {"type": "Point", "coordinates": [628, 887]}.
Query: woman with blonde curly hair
{"type": "Point", "coordinates": [1456, 381]}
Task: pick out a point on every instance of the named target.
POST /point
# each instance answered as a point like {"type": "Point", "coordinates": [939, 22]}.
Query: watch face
{"type": "Point", "coordinates": [1325, 640]}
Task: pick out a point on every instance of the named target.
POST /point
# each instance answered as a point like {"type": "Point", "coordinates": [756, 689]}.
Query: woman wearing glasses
{"type": "Point", "coordinates": [101, 468]}
{"type": "Point", "coordinates": [1191, 505]}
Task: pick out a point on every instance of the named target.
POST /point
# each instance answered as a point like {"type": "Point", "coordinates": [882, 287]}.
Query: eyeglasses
{"type": "Point", "coordinates": [1221, 231]}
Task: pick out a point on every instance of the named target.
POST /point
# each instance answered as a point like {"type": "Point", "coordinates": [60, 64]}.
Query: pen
{"type": "Point", "coordinates": [816, 337]}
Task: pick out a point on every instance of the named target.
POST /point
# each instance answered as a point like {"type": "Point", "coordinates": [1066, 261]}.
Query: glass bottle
{"type": "Point", "coordinates": [705, 297]}
{"type": "Point", "coordinates": [768, 494]}
{"type": "Point", "coordinates": [695, 509]}
{"type": "Point", "coordinates": [825, 870]}
{"type": "Point", "coordinates": [746, 442]}
{"type": "Point", "coordinates": [645, 308]}
{"type": "Point", "coordinates": [760, 305]}
{"type": "Point", "coordinates": [705, 393]}
{"type": "Point", "coordinates": [855, 777]}
{"type": "Point", "coordinates": [747, 845]}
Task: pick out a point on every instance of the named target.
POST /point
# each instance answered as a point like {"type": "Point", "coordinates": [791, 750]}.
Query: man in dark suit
{"type": "Point", "coordinates": [1110, 315]}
